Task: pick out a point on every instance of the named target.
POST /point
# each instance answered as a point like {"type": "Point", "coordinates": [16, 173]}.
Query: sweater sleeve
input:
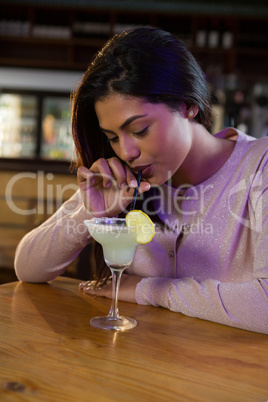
{"type": "Point", "coordinates": [239, 304]}
{"type": "Point", "coordinates": [45, 252]}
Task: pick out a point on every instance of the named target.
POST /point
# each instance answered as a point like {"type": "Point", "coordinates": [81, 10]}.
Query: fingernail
{"type": "Point", "coordinates": [133, 183]}
{"type": "Point", "coordinates": [123, 185]}
{"type": "Point", "coordinates": [147, 186]}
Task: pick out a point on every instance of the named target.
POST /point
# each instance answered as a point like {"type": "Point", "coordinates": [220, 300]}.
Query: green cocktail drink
{"type": "Point", "coordinates": [118, 241]}
{"type": "Point", "coordinates": [119, 244]}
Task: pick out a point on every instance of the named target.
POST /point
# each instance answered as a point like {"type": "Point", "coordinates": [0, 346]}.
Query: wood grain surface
{"type": "Point", "coordinates": [49, 352]}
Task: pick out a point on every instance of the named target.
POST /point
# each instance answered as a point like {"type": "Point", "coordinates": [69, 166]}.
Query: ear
{"type": "Point", "coordinates": [192, 111]}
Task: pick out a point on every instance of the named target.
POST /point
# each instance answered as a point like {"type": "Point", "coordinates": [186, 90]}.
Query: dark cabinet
{"type": "Point", "coordinates": [67, 36]}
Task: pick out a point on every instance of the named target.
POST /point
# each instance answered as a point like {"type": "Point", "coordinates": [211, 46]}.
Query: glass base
{"type": "Point", "coordinates": [116, 324]}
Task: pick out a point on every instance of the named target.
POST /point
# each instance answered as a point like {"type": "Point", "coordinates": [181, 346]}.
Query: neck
{"type": "Point", "coordinates": [206, 156]}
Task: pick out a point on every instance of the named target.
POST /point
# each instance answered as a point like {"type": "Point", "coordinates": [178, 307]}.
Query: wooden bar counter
{"type": "Point", "coordinates": [49, 352]}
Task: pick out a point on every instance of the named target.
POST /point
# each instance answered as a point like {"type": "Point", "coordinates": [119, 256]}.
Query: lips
{"type": "Point", "coordinates": [146, 170]}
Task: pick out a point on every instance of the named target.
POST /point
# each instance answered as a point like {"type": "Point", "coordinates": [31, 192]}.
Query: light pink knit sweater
{"type": "Point", "coordinates": [211, 264]}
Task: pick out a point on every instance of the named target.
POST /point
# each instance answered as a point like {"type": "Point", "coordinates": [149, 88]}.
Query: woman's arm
{"type": "Point", "coordinates": [241, 305]}
{"type": "Point", "coordinates": [105, 189]}
{"type": "Point", "coordinates": [45, 252]}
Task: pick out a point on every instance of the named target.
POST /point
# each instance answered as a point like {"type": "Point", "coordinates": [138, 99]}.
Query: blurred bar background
{"type": "Point", "coordinates": [45, 47]}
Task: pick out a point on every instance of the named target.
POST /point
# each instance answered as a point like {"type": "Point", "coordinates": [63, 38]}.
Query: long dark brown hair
{"type": "Point", "coordinates": [147, 63]}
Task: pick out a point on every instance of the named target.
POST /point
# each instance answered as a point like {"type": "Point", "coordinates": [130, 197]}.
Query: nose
{"type": "Point", "coordinates": [128, 149]}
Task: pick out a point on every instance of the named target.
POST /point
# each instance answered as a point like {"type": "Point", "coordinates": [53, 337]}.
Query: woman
{"type": "Point", "coordinates": [144, 104]}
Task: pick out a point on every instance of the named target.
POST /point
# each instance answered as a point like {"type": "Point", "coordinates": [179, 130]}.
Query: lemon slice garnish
{"type": "Point", "coordinates": [143, 224]}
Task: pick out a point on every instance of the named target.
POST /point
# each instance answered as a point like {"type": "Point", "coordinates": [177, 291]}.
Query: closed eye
{"type": "Point", "coordinates": [113, 140]}
{"type": "Point", "coordinates": [142, 132]}
{"type": "Point", "coordinates": [138, 133]}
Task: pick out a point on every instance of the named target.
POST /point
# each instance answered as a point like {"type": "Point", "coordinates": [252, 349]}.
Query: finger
{"type": "Point", "coordinates": [133, 183]}
{"type": "Point", "coordinates": [102, 169]}
{"type": "Point", "coordinates": [91, 291]}
{"type": "Point", "coordinates": [86, 284]}
{"type": "Point", "coordinates": [85, 178]}
{"type": "Point", "coordinates": [131, 179]}
{"type": "Point", "coordinates": [102, 291]}
{"type": "Point", "coordinates": [119, 170]}
{"type": "Point", "coordinates": [82, 174]}
{"type": "Point", "coordinates": [144, 186]}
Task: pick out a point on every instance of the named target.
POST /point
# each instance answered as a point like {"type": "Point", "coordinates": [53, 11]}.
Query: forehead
{"type": "Point", "coordinates": [117, 108]}
{"type": "Point", "coordinates": [121, 102]}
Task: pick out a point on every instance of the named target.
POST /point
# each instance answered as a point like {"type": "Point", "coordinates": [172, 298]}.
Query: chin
{"type": "Point", "coordinates": [156, 181]}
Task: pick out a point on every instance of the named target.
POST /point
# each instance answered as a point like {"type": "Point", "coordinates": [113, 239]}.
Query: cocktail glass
{"type": "Point", "coordinates": [119, 244]}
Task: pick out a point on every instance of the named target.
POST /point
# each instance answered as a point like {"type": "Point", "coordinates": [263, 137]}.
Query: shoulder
{"type": "Point", "coordinates": [255, 148]}
{"type": "Point", "coordinates": [246, 145]}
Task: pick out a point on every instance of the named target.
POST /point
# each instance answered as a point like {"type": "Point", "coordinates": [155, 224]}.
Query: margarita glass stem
{"type": "Point", "coordinates": [116, 277]}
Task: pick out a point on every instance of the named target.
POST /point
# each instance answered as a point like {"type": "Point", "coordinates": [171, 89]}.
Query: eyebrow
{"type": "Point", "coordinates": [126, 123]}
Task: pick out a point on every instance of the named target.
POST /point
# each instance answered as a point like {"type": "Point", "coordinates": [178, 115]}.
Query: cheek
{"type": "Point", "coordinates": [180, 145]}
{"type": "Point", "coordinates": [173, 153]}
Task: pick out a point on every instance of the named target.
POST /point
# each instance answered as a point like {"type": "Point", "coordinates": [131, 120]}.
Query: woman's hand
{"type": "Point", "coordinates": [127, 288]}
{"type": "Point", "coordinates": [107, 187]}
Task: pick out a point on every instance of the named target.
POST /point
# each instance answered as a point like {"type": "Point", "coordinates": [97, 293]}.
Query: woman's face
{"type": "Point", "coordinates": [148, 137]}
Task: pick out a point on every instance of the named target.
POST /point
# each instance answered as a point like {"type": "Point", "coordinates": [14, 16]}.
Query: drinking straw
{"type": "Point", "coordinates": [136, 191]}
